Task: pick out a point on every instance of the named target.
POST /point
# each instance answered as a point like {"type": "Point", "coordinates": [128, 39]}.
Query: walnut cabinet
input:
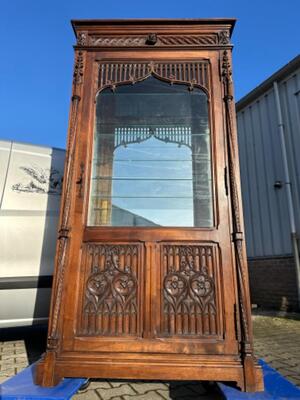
{"type": "Point", "coordinates": [151, 276]}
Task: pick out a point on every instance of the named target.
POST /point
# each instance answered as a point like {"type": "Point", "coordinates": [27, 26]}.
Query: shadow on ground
{"type": "Point", "coordinates": [34, 338]}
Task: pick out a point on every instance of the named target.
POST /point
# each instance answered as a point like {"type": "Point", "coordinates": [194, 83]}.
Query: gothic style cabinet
{"type": "Point", "coordinates": [151, 276]}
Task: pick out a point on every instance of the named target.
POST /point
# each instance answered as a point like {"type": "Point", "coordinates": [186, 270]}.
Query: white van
{"type": "Point", "coordinates": [30, 190]}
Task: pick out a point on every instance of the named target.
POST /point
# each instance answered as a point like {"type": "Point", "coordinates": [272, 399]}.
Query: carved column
{"type": "Point", "coordinates": [64, 234]}
{"type": "Point", "coordinates": [246, 340]}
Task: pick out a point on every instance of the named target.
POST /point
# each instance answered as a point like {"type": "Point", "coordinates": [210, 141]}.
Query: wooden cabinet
{"type": "Point", "coordinates": [151, 275]}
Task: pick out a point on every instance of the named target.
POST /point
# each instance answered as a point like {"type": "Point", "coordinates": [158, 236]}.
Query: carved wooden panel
{"type": "Point", "coordinates": [189, 290]}
{"type": "Point", "coordinates": [110, 304]}
{"type": "Point", "coordinates": [192, 73]}
{"type": "Point", "coordinates": [154, 40]}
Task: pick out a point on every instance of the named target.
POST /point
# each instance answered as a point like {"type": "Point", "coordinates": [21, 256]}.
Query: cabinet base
{"type": "Point", "coordinates": [50, 370]}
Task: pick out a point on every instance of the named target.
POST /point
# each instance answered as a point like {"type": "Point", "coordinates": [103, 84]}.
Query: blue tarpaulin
{"type": "Point", "coordinates": [22, 387]}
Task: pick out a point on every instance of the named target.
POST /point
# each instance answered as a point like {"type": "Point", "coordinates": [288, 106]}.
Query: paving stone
{"type": "Point", "coordinates": [7, 353]}
{"type": "Point", "coordinates": [286, 372]}
{"type": "Point", "coordinates": [151, 395]}
{"type": "Point", "coordinates": [20, 352]}
{"type": "Point", "coordinates": [108, 394]}
{"type": "Point", "coordinates": [19, 368]}
{"type": "Point", "coordinates": [9, 371]}
{"type": "Point", "coordinates": [95, 384]}
{"type": "Point", "coordinates": [295, 380]}
{"type": "Point", "coordinates": [146, 386]}
{"type": "Point", "coordinates": [277, 341]}
{"type": "Point", "coordinates": [165, 394]}
{"type": "Point", "coordinates": [88, 395]}
{"type": "Point", "coordinates": [117, 384]}
{"type": "Point", "coordinates": [279, 364]}
{"type": "Point", "coordinates": [3, 378]}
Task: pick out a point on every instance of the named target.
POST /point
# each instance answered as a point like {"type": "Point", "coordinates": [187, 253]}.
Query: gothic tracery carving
{"type": "Point", "coordinates": [192, 74]}
{"type": "Point", "coordinates": [189, 290]}
{"type": "Point", "coordinates": [111, 290]}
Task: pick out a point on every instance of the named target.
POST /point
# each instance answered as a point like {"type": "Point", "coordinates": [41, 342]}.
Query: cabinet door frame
{"type": "Point", "coordinates": [151, 236]}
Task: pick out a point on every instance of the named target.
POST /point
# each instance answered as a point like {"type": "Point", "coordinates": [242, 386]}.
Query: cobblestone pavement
{"type": "Point", "coordinates": [277, 341]}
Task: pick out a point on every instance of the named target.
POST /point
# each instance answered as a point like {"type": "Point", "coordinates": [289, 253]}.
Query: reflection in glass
{"type": "Point", "coordinates": [151, 164]}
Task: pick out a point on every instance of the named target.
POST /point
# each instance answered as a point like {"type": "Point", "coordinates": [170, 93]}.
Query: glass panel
{"type": "Point", "coordinates": [151, 163]}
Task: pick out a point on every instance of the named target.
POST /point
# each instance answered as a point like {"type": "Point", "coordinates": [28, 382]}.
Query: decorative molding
{"type": "Point", "coordinates": [221, 38]}
{"type": "Point", "coordinates": [82, 39]}
{"type": "Point", "coordinates": [111, 303]}
{"type": "Point", "coordinates": [189, 73]}
{"type": "Point", "coordinates": [118, 41]}
{"type": "Point", "coordinates": [78, 69]}
{"type": "Point", "coordinates": [42, 181]}
{"type": "Point", "coordinates": [189, 300]}
{"type": "Point", "coordinates": [224, 37]}
{"type": "Point", "coordinates": [155, 40]}
{"type": "Point", "coordinates": [151, 39]}
{"type": "Point", "coordinates": [237, 234]}
{"type": "Point", "coordinates": [227, 78]}
{"type": "Point", "coordinates": [188, 40]}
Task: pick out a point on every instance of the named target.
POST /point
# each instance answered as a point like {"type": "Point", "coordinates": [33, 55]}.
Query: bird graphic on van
{"type": "Point", "coordinates": [41, 180]}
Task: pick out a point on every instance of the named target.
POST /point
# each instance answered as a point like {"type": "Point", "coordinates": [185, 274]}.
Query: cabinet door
{"type": "Point", "coordinates": [155, 258]}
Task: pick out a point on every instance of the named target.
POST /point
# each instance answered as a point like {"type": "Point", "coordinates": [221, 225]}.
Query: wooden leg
{"type": "Point", "coordinates": [241, 384]}
{"type": "Point", "coordinates": [45, 371]}
{"type": "Point", "coordinates": [253, 378]}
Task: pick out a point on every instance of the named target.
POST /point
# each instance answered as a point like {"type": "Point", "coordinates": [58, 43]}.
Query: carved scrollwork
{"type": "Point", "coordinates": [188, 40]}
{"type": "Point", "coordinates": [189, 289]}
{"type": "Point", "coordinates": [118, 41]}
{"type": "Point", "coordinates": [82, 39]}
{"type": "Point", "coordinates": [224, 37]}
{"type": "Point", "coordinates": [78, 69]}
{"type": "Point", "coordinates": [155, 40]}
{"type": "Point", "coordinates": [111, 289]}
{"type": "Point", "coordinates": [221, 38]}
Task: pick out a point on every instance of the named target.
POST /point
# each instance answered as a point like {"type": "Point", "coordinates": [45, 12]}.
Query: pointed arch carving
{"type": "Point", "coordinates": [192, 74]}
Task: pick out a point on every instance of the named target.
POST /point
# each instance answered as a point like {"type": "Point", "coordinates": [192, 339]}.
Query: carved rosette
{"type": "Point", "coordinates": [237, 234]}
{"type": "Point", "coordinates": [189, 290]}
{"type": "Point", "coordinates": [155, 40]}
{"type": "Point", "coordinates": [110, 306]}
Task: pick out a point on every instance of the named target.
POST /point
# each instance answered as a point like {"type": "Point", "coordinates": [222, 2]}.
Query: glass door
{"type": "Point", "coordinates": [153, 248]}
{"type": "Point", "coordinates": [152, 157]}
